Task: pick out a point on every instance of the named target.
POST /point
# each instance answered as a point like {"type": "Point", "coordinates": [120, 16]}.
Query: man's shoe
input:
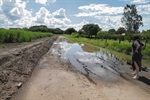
{"type": "Point", "coordinates": [136, 77]}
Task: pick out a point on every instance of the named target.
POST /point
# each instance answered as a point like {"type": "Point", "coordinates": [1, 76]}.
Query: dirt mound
{"type": "Point", "coordinates": [17, 66]}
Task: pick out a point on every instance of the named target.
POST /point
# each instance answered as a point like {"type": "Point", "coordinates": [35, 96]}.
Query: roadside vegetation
{"type": "Point", "coordinates": [18, 36]}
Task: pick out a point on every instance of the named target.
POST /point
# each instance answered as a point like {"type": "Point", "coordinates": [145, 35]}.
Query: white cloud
{"type": "Point", "coordinates": [45, 1]}
{"type": "Point", "coordinates": [139, 1]}
{"type": "Point", "coordinates": [43, 15]}
{"type": "Point", "coordinates": [13, 13]}
{"type": "Point", "coordinates": [109, 22]}
{"type": "Point", "coordinates": [53, 1]}
{"type": "Point", "coordinates": [79, 25]}
{"type": "Point", "coordinates": [55, 19]}
{"type": "Point", "coordinates": [24, 22]}
{"type": "Point", "coordinates": [1, 2]}
{"type": "Point", "coordinates": [108, 17]}
{"type": "Point", "coordinates": [99, 9]}
{"type": "Point", "coordinates": [14, 9]}
{"type": "Point", "coordinates": [144, 9]}
{"type": "Point", "coordinates": [146, 20]}
{"type": "Point", "coordinates": [41, 1]}
{"type": "Point", "coordinates": [61, 15]}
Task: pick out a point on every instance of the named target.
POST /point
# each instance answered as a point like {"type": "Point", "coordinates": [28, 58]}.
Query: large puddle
{"type": "Point", "coordinates": [101, 64]}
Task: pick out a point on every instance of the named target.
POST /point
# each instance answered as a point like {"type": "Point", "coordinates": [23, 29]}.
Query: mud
{"type": "Point", "coordinates": [17, 64]}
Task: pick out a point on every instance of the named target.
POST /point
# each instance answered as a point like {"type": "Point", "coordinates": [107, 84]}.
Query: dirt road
{"type": "Point", "coordinates": [52, 79]}
{"type": "Point", "coordinates": [17, 62]}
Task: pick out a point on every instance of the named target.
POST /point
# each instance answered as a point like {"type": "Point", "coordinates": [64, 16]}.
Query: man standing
{"type": "Point", "coordinates": [136, 56]}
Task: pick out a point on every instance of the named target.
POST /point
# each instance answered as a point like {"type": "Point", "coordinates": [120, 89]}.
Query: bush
{"type": "Point", "coordinates": [75, 35]}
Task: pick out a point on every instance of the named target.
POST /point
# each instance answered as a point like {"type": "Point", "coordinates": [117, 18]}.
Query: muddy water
{"type": "Point", "coordinates": [101, 64]}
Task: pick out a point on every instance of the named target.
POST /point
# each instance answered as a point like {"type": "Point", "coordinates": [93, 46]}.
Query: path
{"type": "Point", "coordinates": [53, 79]}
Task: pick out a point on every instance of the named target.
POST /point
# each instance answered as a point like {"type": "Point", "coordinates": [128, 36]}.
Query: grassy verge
{"type": "Point", "coordinates": [120, 50]}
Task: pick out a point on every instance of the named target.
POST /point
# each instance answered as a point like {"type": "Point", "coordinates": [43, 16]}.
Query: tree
{"type": "Point", "coordinates": [56, 31]}
{"type": "Point", "coordinates": [25, 28]}
{"type": "Point", "coordinates": [41, 28]}
{"type": "Point", "coordinates": [112, 31]}
{"type": "Point", "coordinates": [70, 31]}
{"type": "Point", "coordinates": [81, 32]}
{"type": "Point", "coordinates": [131, 20]}
{"type": "Point", "coordinates": [91, 29]}
{"type": "Point", "coordinates": [102, 34]}
{"type": "Point", "coordinates": [121, 30]}
{"type": "Point", "coordinates": [146, 36]}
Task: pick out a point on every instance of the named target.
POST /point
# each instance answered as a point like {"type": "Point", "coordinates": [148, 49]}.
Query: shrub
{"type": "Point", "coordinates": [76, 35]}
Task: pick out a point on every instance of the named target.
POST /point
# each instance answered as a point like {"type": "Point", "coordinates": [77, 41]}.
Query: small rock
{"type": "Point", "coordinates": [8, 98]}
{"type": "Point", "coordinates": [19, 85]}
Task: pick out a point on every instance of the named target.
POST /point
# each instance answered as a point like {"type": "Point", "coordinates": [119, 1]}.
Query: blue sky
{"type": "Point", "coordinates": [69, 13]}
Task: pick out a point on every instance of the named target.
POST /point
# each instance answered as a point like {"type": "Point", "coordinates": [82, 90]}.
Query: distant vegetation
{"type": "Point", "coordinates": [43, 28]}
{"type": "Point", "coordinates": [17, 35]}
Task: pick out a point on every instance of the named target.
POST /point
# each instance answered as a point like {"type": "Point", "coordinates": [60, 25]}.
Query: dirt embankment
{"type": "Point", "coordinates": [17, 64]}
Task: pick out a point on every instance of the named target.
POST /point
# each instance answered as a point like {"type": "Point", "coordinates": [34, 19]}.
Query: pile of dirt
{"type": "Point", "coordinates": [17, 66]}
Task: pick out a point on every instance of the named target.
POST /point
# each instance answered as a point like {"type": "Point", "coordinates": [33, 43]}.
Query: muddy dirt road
{"type": "Point", "coordinates": [53, 79]}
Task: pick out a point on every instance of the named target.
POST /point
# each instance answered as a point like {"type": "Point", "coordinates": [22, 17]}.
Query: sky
{"type": "Point", "coordinates": [65, 14]}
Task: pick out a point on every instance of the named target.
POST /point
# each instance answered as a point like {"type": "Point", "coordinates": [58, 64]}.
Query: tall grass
{"type": "Point", "coordinates": [13, 36]}
{"type": "Point", "coordinates": [124, 47]}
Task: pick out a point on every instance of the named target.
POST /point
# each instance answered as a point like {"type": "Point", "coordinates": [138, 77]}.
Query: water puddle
{"type": "Point", "coordinates": [101, 64]}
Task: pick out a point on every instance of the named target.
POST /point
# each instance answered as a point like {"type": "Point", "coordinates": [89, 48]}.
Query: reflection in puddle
{"type": "Point", "coordinates": [100, 64]}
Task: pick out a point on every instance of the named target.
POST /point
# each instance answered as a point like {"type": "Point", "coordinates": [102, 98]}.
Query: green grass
{"type": "Point", "coordinates": [14, 36]}
{"type": "Point", "coordinates": [2, 45]}
{"type": "Point", "coordinates": [122, 50]}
